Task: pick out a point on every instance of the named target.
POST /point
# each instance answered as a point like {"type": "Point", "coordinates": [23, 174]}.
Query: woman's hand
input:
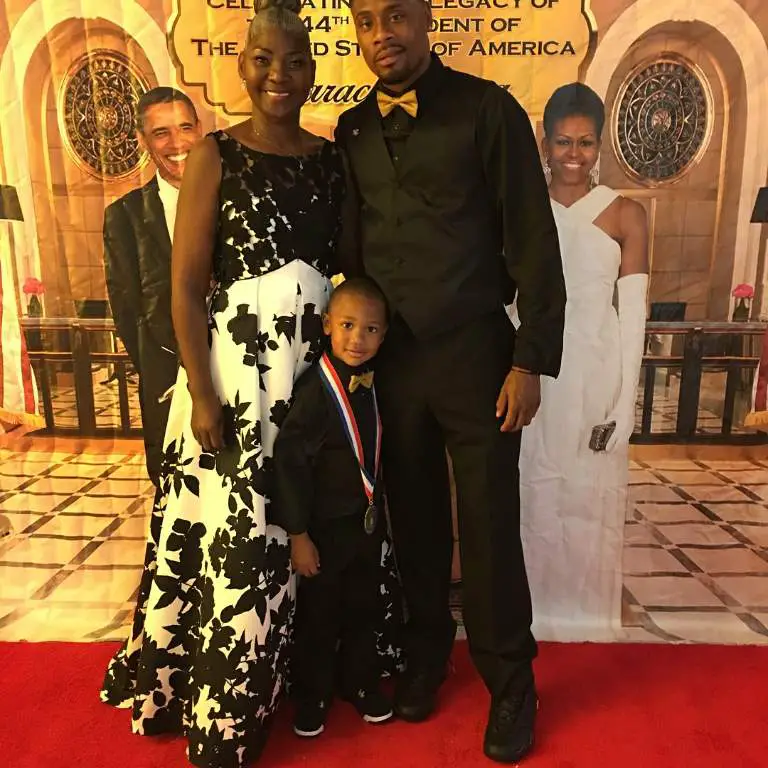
{"type": "Point", "coordinates": [304, 556]}
{"type": "Point", "coordinates": [625, 425]}
{"type": "Point", "coordinates": [208, 422]}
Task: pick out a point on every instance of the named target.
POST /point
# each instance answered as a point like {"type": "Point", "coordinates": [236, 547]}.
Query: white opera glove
{"type": "Point", "coordinates": [632, 294]}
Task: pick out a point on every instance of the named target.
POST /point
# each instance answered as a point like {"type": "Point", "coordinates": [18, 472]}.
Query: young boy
{"type": "Point", "coordinates": [328, 498]}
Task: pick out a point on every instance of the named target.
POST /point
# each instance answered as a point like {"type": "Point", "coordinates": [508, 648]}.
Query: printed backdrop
{"type": "Point", "coordinates": [529, 46]}
{"type": "Point", "coordinates": [685, 87]}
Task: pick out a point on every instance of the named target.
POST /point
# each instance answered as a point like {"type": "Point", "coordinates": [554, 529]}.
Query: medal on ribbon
{"type": "Point", "coordinates": [332, 383]}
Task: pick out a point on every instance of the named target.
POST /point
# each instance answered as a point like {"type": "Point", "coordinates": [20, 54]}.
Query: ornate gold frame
{"type": "Point", "coordinates": [663, 58]}
{"type": "Point", "coordinates": [76, 66]}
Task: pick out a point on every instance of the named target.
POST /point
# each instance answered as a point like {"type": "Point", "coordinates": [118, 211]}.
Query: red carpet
{"type": "Point", "coordinates": [603, 706]}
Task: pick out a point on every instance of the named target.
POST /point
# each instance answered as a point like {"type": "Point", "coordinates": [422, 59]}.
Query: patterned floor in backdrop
{"type": "Point", "coordinates": [695, 554]}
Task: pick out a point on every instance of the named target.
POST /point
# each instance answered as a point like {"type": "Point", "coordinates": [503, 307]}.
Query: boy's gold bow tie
{"type": "Point", "coordinates": [366, 379]}
{"type": "Point", "coordinates": [407, 101]}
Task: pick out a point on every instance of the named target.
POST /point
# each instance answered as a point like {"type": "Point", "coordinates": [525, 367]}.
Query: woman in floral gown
{"type": "Point", "coordinates": [259, 207]}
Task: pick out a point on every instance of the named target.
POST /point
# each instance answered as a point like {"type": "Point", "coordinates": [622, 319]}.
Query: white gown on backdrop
{"type": "Point", "coordinates": [573, 500]}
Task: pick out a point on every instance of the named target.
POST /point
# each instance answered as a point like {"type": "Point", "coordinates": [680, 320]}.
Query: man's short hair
{"type": "Point", "coordinates": [360, 286]}
{"type": "Point", "coordinates": [163, 94]}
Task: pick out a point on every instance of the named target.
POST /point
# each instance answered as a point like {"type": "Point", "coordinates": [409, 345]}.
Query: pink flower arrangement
{"type": "Point", "coordinates": [33, 287]}
{"type": "Point", "coordinates": [743, 291]}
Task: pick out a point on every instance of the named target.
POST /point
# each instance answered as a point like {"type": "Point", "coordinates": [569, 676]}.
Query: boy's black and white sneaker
{"type": "Point", "coordinates": [309, 720]}
{"type": "Point", "coordinates": [373, 706]}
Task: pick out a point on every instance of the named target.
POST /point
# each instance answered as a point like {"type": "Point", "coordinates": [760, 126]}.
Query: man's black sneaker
{"type": "Point", "coordinates": [509, 735]}
{"type": "Point", "coordinates": [416, 694]}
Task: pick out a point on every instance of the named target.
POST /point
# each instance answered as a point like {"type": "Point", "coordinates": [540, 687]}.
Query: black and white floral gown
{"type": "Point", "coordinates": [208, 650]}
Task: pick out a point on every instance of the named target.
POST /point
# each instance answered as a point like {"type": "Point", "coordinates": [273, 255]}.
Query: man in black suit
{"type": "Point", "coordinates": [449, 213]}
{"type": "Point", "coordinates": [137, 258]}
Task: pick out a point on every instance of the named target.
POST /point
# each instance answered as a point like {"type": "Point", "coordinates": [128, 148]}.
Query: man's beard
{"type": "Point", "coordinates": [402, 76]}
{"type": "Point", "coordinates": [396, 77]}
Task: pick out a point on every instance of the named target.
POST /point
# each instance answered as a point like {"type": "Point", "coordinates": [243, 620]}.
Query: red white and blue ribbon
{"type": "Point", "coordinates": [331, 381]}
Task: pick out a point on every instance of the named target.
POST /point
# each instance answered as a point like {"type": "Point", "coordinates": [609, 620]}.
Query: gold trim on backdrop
{"type": "Point", "coordinates": [589, 16]}
{"type": "Point", "coordinates": [642, 452]}
{"type": "Point", "coordinates": [655, 114]}
{"type": "Point", "coordinates": [652, 240]}
{"type": "Point", "coordinates": [210, 100]}
{"type": "Point", "coordinates": [677, 193]}
{"type": "Point", "coordinates": [97, 115]}
{"type": "Point", "coordinates": [721, 176]}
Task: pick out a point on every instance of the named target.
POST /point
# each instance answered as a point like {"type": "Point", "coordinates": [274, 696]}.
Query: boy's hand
{"type": "Point", "coordinates": [304, 556]}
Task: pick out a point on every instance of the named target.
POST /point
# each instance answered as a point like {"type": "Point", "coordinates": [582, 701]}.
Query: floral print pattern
{"type": "Point", "coordinates": [208, 651]}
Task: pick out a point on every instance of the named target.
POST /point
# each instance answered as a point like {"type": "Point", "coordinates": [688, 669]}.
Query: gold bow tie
{"type": "Point", "coordinates": [366, 379]}
{"type": "Point", "coordinates": [407, 101]}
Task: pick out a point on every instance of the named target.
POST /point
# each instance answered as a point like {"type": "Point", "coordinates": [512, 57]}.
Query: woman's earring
{"type": "Point", "coordinates": [242, 83]}
{"type": "Point", "coordinates": [547, 170]}
{"type": "Point", "coordinates": [594, 174]}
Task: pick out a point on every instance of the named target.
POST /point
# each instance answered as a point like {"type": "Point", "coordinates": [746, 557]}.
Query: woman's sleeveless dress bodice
{"type": "Point", "coordinates": [293, 215]}
{"type": "Point", "coordinates": [590, 378]}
